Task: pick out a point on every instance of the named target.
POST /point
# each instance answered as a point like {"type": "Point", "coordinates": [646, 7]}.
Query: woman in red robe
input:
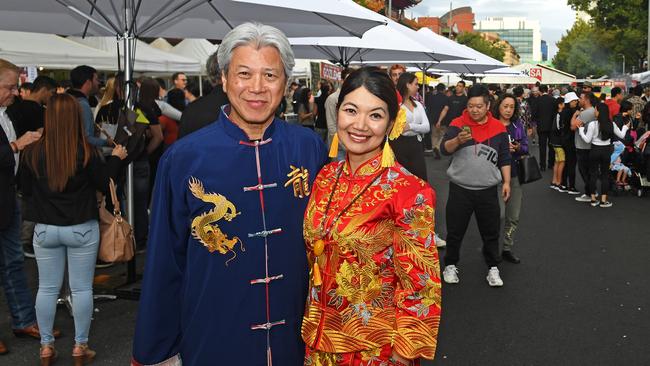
{"type": "Point", "coordinates": [375, 289]}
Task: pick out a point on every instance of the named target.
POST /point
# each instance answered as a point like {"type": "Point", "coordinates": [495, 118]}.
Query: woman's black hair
{"type": "Point", "coordinates": [605, 125]}
{"type": "Point", "coordinates": [377, 82]}
{"type": "Point", "coordinates": [497, 105]}
{"type": "Point", "coordinates": [149, 92]}
{"type": "Point", "coordinates": [626, 106]}
{"type": "Point", "coordinates": [402, 83]}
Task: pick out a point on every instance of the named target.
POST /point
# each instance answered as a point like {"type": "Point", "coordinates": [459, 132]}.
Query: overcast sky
{"type": "Point", "coordinates": [555, 16]}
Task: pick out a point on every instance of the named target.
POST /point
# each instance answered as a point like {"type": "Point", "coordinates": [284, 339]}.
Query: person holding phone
{"type": "Point", "coordinates": [478, 144]}
{"type": "Point", "coordinates": [506, 109]}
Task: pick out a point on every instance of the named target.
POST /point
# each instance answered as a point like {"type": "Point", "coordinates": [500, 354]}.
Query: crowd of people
{"type": "Point", "coordinates": [364, 216]}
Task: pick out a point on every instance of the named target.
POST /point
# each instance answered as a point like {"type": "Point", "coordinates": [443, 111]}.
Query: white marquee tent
{"type": "Point", "coordinates": [51, 51]}
{"type": "Point", "coordinates": [196, 49]}
{"type": "Point", "coordinates": [147, 58]}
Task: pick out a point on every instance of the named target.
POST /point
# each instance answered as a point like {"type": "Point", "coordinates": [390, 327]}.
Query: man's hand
{"type": "Point", "coordinates": [27, 139]}
{"type": "Point", "coordinates": [464, 137]}
{"type": "Point", "coordinates": [505, 191]}
{"type": "Point", "coordinates": [438, 124]}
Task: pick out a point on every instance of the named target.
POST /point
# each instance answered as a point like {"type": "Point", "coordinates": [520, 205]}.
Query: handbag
{"type": "Point", "coordinates": [528, 169]}
{"type": "Point", "coordinates": [117, 243]}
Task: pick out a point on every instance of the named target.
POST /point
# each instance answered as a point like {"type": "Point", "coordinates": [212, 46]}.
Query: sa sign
{"type": "Point", "coordinates": [536, 73]}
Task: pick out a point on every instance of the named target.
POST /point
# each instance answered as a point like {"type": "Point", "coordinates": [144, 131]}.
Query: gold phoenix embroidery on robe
{"type": "Point", "coordinates": [204, 227]}
{"type": "Point", "coordinates": [299, 179]}
{"type": "Point", "coordinates": [381, 277]}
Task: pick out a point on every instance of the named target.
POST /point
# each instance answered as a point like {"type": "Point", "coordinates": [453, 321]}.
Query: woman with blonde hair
{"type": "Point", "coordinates": [60, 175]}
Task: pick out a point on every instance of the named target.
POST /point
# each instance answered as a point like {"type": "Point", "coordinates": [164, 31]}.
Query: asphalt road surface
{"type": "Point", "coordinates": [581, 295]}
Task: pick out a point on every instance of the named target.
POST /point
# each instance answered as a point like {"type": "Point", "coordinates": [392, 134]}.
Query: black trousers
{"type": "Point", "coordinates": [599, 159]}
{"type": "Point", "coordinates": [544, 139]}
{"type": "Point", "coordinates": [409, 152]}
{"type": "Point", "coordinates": [569, 172]}
{"type": "Point", "coordinates": [462, 203]}
{"type": "Point", "coordinates": [583, 168]}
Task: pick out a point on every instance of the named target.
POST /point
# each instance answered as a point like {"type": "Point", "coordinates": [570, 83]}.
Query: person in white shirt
{"type": "Point", "coordinates": [409, 149]}
{"type": "Point", "coordinates": [599, 134]}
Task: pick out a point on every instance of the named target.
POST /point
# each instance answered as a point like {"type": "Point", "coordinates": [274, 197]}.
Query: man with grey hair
{"type": "Point", "coordinates": [226, 276]}
{"type": "Point", "coordinates": [206, 109]}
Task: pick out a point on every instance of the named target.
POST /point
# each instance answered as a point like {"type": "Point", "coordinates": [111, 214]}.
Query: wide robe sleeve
{"type": "Point", "coordinates": [418, 291]}
{"type": "Point", "coordinates": [158, 327]}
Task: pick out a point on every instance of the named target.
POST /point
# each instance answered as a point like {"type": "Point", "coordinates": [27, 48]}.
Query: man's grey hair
{"type": "Point", "coordinates": [212, 68]}
{"type": "Point", "coordinates": [256, 35]}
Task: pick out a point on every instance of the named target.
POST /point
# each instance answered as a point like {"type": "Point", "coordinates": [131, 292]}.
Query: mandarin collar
{"type": "Point", "coordinates": [369, 168]}
{"type": "Point", "coordinates": [236, 132]}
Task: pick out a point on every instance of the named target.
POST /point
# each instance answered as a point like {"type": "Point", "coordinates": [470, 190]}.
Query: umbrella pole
{"type": "Point", "coordinates": [128, 92]}
{"type": "Point", "coordinates": [201, 84]}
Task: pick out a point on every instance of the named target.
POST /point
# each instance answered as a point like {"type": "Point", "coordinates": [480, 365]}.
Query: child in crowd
{"type": "Point", "coordinates": [623, 172]}
{"type": "Point", "coordinates": [556, 143]}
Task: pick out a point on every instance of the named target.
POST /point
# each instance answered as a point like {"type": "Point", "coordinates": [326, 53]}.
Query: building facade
{"type": "Point", "coordinates": [523, 34]}
{"type": "Point", "coordinates": [510, 56]}
{"type": "Point", "coordinates": [455, 22]}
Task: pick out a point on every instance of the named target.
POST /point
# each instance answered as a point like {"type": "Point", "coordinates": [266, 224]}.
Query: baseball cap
{"type": "Point", "coordinates": [570, 97]}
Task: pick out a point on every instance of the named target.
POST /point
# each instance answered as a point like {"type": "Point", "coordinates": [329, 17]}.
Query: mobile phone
{"type": "Point", "coordinates": [467, 129]}
{"type": "Point", "coordinates": [510, 139]}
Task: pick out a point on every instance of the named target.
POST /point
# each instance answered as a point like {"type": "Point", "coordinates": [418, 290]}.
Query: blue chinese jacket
{"type": "Point", "coordinates": [225, 280]}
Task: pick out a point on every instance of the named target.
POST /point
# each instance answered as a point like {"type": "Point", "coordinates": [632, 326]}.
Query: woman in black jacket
{"type": "Point", "coordinates": [568, 144]}
{"type": "Point", "coordinates": [60, 175]}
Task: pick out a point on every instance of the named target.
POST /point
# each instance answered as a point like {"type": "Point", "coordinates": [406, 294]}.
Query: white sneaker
{"type": "Point", "coordinates": [583, 198]}
{"type": "Point", "coordinates": [493, 278]}
{"type": "Point", "coordinates": [440, 242]}
{"type": "Point", "coordinates": [450, 274]}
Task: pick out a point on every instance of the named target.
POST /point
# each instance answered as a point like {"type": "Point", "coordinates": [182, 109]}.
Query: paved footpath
{"type": "Point", "coordinates": [581, 295]}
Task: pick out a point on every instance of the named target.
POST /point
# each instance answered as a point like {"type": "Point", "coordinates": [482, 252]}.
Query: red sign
{"type": "Point", "coordinates": [536, 73]}
{"type": "Point", "coordinates": [330, 72]}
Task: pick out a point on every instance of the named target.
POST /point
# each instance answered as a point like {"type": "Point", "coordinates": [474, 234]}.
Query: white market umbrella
{"type": "Point", "coordinates": [210, 19]}
{"type": "Point", "coordinates": [479, 62]}
{"type": "Point", "coordinates": [394, 42]}
{"type": "Point", "coordinates": [147, 58]}
{"type": "Point", "coordinates": [51, 51]}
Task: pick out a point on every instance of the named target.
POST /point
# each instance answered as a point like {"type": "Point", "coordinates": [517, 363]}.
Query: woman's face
{"type": "Point", "coordinates": [573, 104]}
{"type": "Point", "coordinates": [362, 123]}
{"type": "Point", "coordinates": [507, 108]}
{"type": "Point", "coordinates": [412, 88]}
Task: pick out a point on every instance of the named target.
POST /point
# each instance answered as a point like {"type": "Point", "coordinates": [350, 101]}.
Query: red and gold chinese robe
{"type": "Point", "coordinates": [380, 274]}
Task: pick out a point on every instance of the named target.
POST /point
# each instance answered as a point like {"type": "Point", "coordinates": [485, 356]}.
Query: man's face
{"type": "Point", "coordinates": [94, 85]}
{"type": "Point", "coordinates": [477, 108]}
{"type": "Point", "coordinates": [254, 84]}
{"type": "Point", "coordinates": [584, 101]}
{"type": "Point", "coordinates": [586, 89]}
{"type": "Point", "coordinates": [8, 87]}
{"type": "Point", "coordinates": [460, 88]}
{"type": "Point", "coordinates": [395, 74]}
{"type": "Point", "coordinates": [24, 93]}
{"type": "Point", "coordinates": [181, 81]}
{"type": "Point", "coordinates": [45, 94]}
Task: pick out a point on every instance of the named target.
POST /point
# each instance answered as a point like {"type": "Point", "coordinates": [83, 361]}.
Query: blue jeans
{"type": "Point", "coordinates": [12, 274]}
{"type": "Point", "coordinates": [52, 245]}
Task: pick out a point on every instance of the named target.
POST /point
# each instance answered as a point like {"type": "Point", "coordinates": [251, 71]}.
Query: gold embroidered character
{"type": "Point", "coordinates": [299, 179]}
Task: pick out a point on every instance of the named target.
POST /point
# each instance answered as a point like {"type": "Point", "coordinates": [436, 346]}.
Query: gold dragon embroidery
{"type": "Point", "coordinates": [204, 227]}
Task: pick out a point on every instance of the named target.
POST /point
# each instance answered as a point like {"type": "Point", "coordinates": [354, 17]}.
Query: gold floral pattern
{"type": "Point", "coordinates": [380, 271]}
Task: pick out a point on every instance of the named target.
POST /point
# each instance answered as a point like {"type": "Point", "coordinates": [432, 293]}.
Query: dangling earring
{"type": "Point", "coordinates": [387, 156]}
{"type": "Point", "coordinates": [334, 147]}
